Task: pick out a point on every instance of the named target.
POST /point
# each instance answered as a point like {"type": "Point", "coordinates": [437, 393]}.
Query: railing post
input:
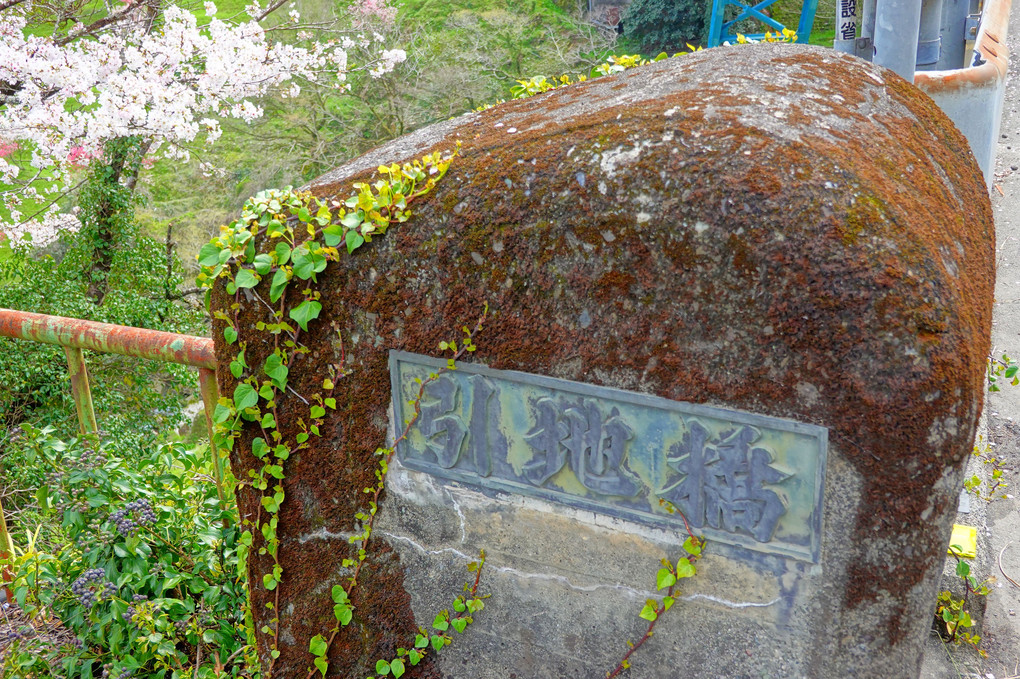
{"type": "Point", "coordinates": [80, 390]}
{"type": "Point", "coordinates": [210, 395]}
{"type": "Point", "coordinates": [6, 551]}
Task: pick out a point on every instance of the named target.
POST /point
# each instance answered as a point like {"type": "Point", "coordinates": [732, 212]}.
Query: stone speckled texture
{"type": "Point", "coordinates": [778, 229]}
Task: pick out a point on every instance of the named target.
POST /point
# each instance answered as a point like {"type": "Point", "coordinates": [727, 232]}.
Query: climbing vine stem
{"type": "Point", "coordinates": [667, 578]}
{"type": "Point", "coordinates": [283, 240]}
{"type": "Point", "coordinates": [343, 610]}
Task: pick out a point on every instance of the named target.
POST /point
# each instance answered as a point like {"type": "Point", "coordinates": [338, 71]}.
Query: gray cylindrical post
{"type": "Point", "coordinates": [954, 34]}
{"type": "Point", "coordinates": [846, 26]}
{"type": "Point", "coordinates": [897, 24]}
{"type": "Point", "coordinates": [929, 41]}
{"type": "Point", "coordinates": [868, 19]}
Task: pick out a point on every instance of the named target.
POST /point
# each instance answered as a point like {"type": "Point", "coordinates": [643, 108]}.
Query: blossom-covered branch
{"type": "Point", "coordinates": [63, 98]}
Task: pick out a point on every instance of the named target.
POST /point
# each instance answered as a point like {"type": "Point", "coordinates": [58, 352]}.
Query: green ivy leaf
{"type": "Point", "coordinates": [282, 251]}
{"type": "Point", "coordinates": [308, 262]}
{"type": "Point", "coordinates": [438, 642]}
{"type": "Point", "coordinates": [269, 581]}
{"type": "Point", "coordinates": [245, 396]}
{"type": "Point", "coordinates": [382, 667]}
{"type": "Point", "coordinates": [221, 414]}
{"type": "Point", "coordinates": [441, 621]}
{"type": "Point", "coordinates": [209, 255]}
{"type": "Point", "coordinates": [460, 624]}
{"type": "Point", "coordinates": [344, 614]}
{"type": "Point", "coordinates": [278, 285]}
{"type": "Point", "coordinates": [664, 579]}
{"type": "Point", "coordinates": [650, 611]}
{"type": "Point", "coordinates": [275, 227]}
{"type": "Point", "coordinates": [270, 503]}
{"type": "Point", "coordinates": [317, 412]}
{"type": "Point", "coordinates": [230, 335]}
{"type": "Point", "coordinates": [332, 235]}
{"type": "Point", "coordinates": [317, 645]}
{"type": "Point", "coordinates": [692, 546]}
{"type": "Point", "coordinates": [276, 371]}
{"type": "Point", "coordinates": [321, 664]}
{"type": "Point", "coordinates": [246, 278]}
{"type": "Point", "coordinates": [307, 311]}
{"type": "Point", "coordinates": [354, 241]}
{"type": "Point", "coordinates": [684, 569]}
{"type": "Point", "coordinates": [263, 263]}
{"type": "Point", "coordinates": [397, 667]}
{"type": "Point", "coordinates": [259, 448]}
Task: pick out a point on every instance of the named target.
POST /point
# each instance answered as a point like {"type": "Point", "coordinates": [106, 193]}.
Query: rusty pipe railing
{"type": "Point", "coordinates": [972, 97]}
{"type": "Point", "coordinates": [74, 335]}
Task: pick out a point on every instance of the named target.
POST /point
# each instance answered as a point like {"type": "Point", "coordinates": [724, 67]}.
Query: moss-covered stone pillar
{"type": "Point", "coordinates": [780, 232]}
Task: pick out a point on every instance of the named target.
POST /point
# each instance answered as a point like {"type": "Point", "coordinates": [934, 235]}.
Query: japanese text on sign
{"type": "Point", "coordinates": [739, 478]}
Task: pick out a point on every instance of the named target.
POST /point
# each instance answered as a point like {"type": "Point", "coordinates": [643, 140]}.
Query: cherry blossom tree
{"type": "Point", "coordinates": [152, 75]}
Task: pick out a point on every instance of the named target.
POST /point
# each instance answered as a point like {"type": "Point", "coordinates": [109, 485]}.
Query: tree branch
{"type": "Point", "coordinates": [99, 24]}
{"type": "Point", "coordinates": [7, 4]}
{"type": "Point", "coordinates": [184, 293]}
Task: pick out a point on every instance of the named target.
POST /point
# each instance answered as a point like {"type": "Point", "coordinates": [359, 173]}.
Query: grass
{"type": "Point", "coordinates": [787, 12]}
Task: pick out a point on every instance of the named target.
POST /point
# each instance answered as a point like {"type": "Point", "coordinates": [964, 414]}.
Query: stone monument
{"type": "Point", "coordinates": [753, 283]}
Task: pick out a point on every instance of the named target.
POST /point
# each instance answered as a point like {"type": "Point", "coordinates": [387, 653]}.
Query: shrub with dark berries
{"type": "Point", "coordinates": [144, 570]}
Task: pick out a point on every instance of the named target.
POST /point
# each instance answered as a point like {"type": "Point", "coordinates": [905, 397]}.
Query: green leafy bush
{"type": "Point", "coordinates": [666, 24]}
{"type": "Point", "coordinates": [133, 398]}
{"type": "Point", "coordinates": [142, 570]}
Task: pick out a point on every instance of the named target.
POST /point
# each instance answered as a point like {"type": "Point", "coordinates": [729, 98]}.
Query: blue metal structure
{"type": "Point", "coordinates": [721, 30]}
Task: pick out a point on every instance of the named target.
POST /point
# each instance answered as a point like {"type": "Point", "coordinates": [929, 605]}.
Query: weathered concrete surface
{"type": "Point", "coordinates": [777, 229]}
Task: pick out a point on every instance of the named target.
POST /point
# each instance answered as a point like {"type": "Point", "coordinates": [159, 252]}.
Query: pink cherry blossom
{"type": "Point", "coordinates": [169, 86]}
{"type": "Point", "coordinates": [367, 11]}
{"type": "Point", "coordinates": [79, 156]}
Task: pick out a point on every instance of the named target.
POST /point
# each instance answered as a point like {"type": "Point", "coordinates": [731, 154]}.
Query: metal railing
{"type": "Point", "coordinates": [972, 97]}
{"type": "Point", "coordinates": [75, 335]}
{"type": "Point", "coordinates": [721, 30]}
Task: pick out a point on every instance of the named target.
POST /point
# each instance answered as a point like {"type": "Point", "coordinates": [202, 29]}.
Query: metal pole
{"type": "Point", "coordinates": [954, 35]}
{"type": "Point", "coordinates": [846, 27]}
{"type": "Point", "coordinates": [897, 25]}
{"type": "Point", "coordinates": [716, 19]}
{"type": "Point", "coordinates": [108, 338]}
{"type": "Point", "coordinates": [210, 394]}
{"type": "Point", "coordinates": [807, 20]}
{"type": "Point", "coordinates": [868, 20]}
{"type": "Point", "coordinates": [929, 41]}
{"type": "Point", "coordinates": [6, 551]}
{"type": "Point", "coordinates": [80, 390]}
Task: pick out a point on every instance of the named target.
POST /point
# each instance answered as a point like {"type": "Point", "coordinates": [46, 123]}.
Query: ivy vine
{"type": "Point", "coordinates": [303, 234]}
